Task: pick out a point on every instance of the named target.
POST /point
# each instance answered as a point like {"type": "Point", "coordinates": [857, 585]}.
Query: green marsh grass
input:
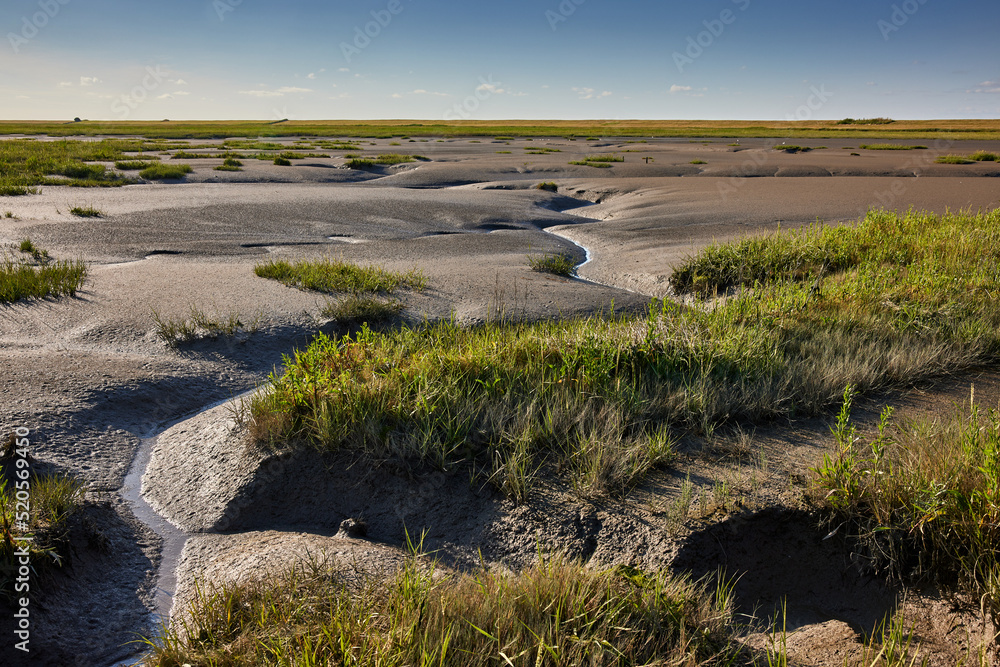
{"type": "Point", "coordinates": [134, 165]}
{"type": "Point", "coordinates": [892, 299]}
{"type": "Point", "coordinates": [252, 145]}
{"type": "Point", "coordinates": [28, 246]}
{"type": "Point", "coordinates": [386, 159]}
{"type": "Point", "coordinates": [548, 185]}
{"type": "Point", "coordinates": [560, 264]}
{"type": "Point", "coordinates": [289, 155]}
{"type": "Point", "coordinates": [924, 495]}
{"type": "Point", "coordinates": [698, 162]}
{"type": "Point", "coordinates": [788, 148]}
{"type": "Point", "coordinates": [188, 155]}
{"type": "Point", "coordinates": [393, 158]}
{"type": "Point", "coordinates": [282, 161]}
{"type": "Point", "coordinates": [27, 272]}
{"type": "Point", "coordinates": [357, 309]}
{"type": "Point", "coordinates": [230, 164]}
{"type": "Point", "coordinates": [360, 163]}
{"type": "Point", "coordinates": [257, 130]}
{"type": "Point", "coordinates": [582, 163]}
{"type": "Point", "coordinates": [200, 324]}
{"type": "Point", "coordinates": [165, 172]}
{"type": "Point", "coordinates": [604, 158]}
{"type": "Point", "coordinates": [54, 498]}
{"type": "Point", "coordinates": [953, 159]}
{"type": "Point", "coordinates": [891, 147]}
{"type": "Point", "coordinates": [978, 156]}
{"type": "Point", "coordinates": [555, 613]}
{"type": "Point", "coordinates": [26, 163]}
{"type": "Point", "coordinates": [332, 276]}
{"type": "Point", "coordinates": [86, 212]}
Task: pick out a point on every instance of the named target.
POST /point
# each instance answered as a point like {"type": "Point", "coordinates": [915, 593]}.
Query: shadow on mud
{"type": "Point", "coordinates": [781, 556]}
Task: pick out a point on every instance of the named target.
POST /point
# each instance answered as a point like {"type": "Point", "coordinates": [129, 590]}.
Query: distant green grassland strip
{"type": "Point", "coordinates": [886, 301]}
{"type": "Point", "coordinates": [950, 129]}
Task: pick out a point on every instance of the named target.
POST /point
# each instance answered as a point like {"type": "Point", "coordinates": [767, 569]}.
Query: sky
{"type": "Point", "coordinates": [527, 59]}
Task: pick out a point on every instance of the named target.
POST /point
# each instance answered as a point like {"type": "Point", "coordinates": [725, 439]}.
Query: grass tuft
{"type": "Point", "coordinates": [555, 613]}
{"type": "Point", "coordinates": [357, 309]}
{"type": "Point", "coordinates": [199, 324]}
{"type": "Point", "coordinates": [560, 264]}
{"type": "Point", "coordinates": [360, 163]}
{"type": "Point", "coordinates": [924, 495]}
{"type": "Point", "coordinates": [54, 498]}
{"type": "Point", "coordinates": [984, 156]}
{"type": "Point", "coordinates": [891, 147]}
{"type": "Point", "coordinates": [582, 163]}
{"type": "Point", "coordinates": [164, 172]}
{"type": "Point", "coordinates": [954, 159]}
{"type": "Point", "coordinates": [333, 276]}
{"type": "Point", "coordinates": [133, 165]}
{"type": "Point", "coordinates": [548, 185]}
{"type": "Point", "coordinates": [230, 164]}
{"type": "Point", "coordinates": [37, 276]}
{"type": "Point", "coordinates": [86, 212]}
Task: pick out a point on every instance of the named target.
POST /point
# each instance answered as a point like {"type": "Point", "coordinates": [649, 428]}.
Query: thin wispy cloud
{"type": "Point", "coordinates": [261, 93]}
{"type": "Point", "coordinates": [280, 92]}
{"type": "Point", "coordinates": [989, 87]}
{"type": "Point", "coordinates": [591, 93]}
{"type": "Point", "coordinates": [497, 89]}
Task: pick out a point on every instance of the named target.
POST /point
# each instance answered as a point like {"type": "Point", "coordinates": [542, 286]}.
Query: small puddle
{"type": "Point", "coordinates": [346, 239]}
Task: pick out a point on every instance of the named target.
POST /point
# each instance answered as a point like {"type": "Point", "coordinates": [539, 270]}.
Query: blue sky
{"type": "Point", "coordinates": [535, 59]}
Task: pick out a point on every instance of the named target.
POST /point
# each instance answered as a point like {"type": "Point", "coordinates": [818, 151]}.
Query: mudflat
{"type": "Point", "coordinates": [92, 377]}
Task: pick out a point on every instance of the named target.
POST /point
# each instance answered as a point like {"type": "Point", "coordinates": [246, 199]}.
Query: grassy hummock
{"type": "Point", "coordinates": [924, 495]}
{"type": "Point", "coordinates": [560, 264]}
{"type": "Point", "coordinates": [357, 309]}
{"type": "Point", "coordinates": [556, 613]}
{"type": "Point", "coordinates": [891, 147]}
{"type": "Point", "coordinates": [86, 212]}
{"type": "Point", "coordinates": [230, 164]}
{"type": "Point", "coordinates": [28, 272]}
{"type": "Point", "coordinates": [602, 399]}
{"type": "Point", "coordinates": [165, 172]}
{"type": "Point", "coordinates": [332, 276]}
